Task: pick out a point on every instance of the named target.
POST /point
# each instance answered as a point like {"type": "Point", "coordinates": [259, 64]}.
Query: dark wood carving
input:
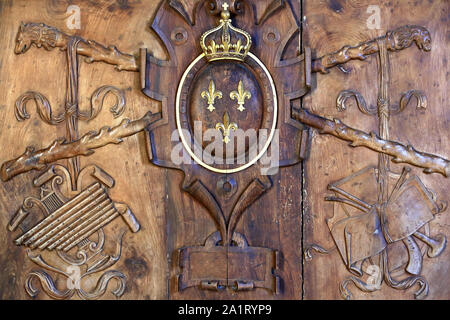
{"type": "Point", "coordinates": [232, 67]}
{"type": "Point", "coordinates": [228, 90]}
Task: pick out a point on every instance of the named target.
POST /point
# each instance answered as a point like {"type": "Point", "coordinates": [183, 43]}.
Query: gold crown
{"type": "Point", "coordinates": [225, 41]}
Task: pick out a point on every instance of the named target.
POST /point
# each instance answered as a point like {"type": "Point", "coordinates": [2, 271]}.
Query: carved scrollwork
{"type": "Point", "coordinates": [360, 102]}
{"type": "Point", "coordinates": [81, 256]}
{"type": "Point", "coordinates": [48, 285]}
{"type": "Point", "coordinates": [406, 283]}
{"type": "Point", "coordinates": [98, 98]}
{"type": "Point", "coordinates": [45, 110]}
{"type": "Point", "coordinates": [42, 105]}
{"type": "Point", "coordinates": [102, 285]}
{"type": "Point", "coordinates": [379, 272]}
{"type": "Point", "coordinates": [422, 101]}
{"type": "Point", "coordinates": [30, 202]}
{"type": "Point", "coordinates": [308, 252]}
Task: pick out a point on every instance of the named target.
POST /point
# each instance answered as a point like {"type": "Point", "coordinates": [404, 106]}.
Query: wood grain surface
{"type": "Point", "coordinates": [329, 26]}
{"type": "Point", "coordinates": [169, 217]}
{"type": "Point", "coordinates": [293, 213]}
{"type": "Point", "coordinates": [124, 24]}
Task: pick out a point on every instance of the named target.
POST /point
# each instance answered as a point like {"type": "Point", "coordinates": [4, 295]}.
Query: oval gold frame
{"type": "Point", "coordinates": [272, 131]}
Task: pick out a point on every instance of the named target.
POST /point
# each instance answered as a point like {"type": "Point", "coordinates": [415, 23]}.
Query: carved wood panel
{"type": "Point", "coordinates": [143, 254]}
{"type": "Point", "coordinates": [412, 80]}
{"type": "Point", "coordinates": [113, 190]}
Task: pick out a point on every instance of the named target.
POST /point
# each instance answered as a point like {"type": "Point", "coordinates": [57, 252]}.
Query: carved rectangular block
{"type": "Point", "coordinates": [240, 268]}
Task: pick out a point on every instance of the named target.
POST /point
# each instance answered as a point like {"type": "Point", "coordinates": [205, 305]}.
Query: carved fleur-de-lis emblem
{"type": "Point", "coordinates": [211, 95]}
{"type": "Point", "coordinates": [240, 95]}
{"type": "Point", "coordinates": [226, 127]}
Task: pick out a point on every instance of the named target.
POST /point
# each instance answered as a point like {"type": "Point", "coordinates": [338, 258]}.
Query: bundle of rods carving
{"type": "Point", "coordinates": [73, 222]}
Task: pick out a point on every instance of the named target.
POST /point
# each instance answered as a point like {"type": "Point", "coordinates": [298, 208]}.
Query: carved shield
{"type": "Point", "coordinates": [232, 71]}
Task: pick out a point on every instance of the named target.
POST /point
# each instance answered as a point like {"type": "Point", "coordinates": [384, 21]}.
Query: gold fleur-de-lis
{"type": "Point", "coordinates": [240, 95]}
{"type": "Point", "coordinates": [211, 95]}
{"type": "Point", "coordinates": [226, 127]}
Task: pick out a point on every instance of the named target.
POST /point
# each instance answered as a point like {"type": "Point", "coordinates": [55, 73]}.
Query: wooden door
{"type": "Point", "coordinates": [107, 189]}
{"type": "Point", "coordinates": [415, 80]}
